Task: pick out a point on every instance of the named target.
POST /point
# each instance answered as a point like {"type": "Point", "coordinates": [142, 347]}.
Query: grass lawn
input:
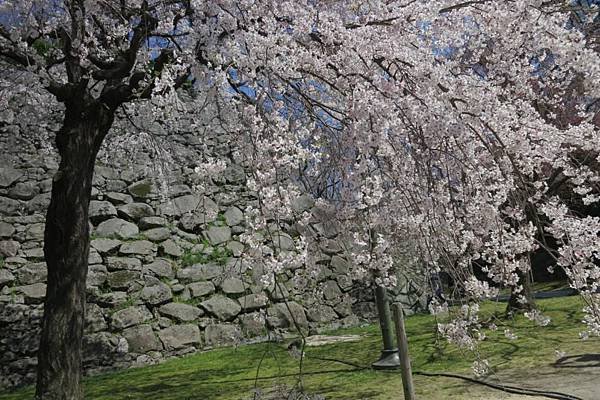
{"type": "Point", "coordinates": [538, 287]}
{"type": "Point", "coordinates": [230, 373]}
{"type": "Point", "coordinates": [549, 286]}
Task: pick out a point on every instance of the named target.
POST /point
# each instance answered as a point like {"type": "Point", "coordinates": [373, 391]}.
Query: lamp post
{"type": "Point", "coordinates": [389, 358]}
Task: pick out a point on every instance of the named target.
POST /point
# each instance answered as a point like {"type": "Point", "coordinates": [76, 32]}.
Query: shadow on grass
{"type": "Point", "coordinates": [578, 361]}
{"type": "Point", "coordinates": [199, 388]}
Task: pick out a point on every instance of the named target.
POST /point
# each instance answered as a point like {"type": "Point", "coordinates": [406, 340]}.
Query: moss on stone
{"type": "Point", "coordinates": [141, 189]}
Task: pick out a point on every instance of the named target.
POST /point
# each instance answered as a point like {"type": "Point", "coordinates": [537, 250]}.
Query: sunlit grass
{"type": "Point", "coordinates": [231, 373]}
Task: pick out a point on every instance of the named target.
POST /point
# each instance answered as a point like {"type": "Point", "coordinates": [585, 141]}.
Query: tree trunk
{"type": "Point", "coordinates": [514, 305]}
{"type": "Point", "coordinates": [66, 249]}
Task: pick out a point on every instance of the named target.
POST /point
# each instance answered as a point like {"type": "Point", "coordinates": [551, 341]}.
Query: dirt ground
{"type": "Point", "coordinates": [577, 375]}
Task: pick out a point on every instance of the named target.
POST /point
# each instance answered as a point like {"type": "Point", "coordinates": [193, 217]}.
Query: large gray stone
{"type": "Point", "coordinates": [34, 293]}
{"type": "Point", "coordinates": [302, 203]}
{"type": "Point", "coordinates": [222, 307]}
{"type": "Point", "coordinates": [178, 288]}
{"type": "Point", "coordinates": [138, 247]}
{"type": "Point", "coordinates": [32, 273]}
{"type": "Point", "coordinates": [160, 293]}
{"type": "Point", "coordinates": [233, 216]}
{"type": "Point", "coordinates": [280, 317]}
{"type": "Point", "coordinates": [45, 185]}
{"type": "Point", "coordinates": [34, 253]}
{"type": "Point", "coordinates": [15, 262]}
{"type": "Point", "coordinates": [133, 173]}
{"type": "Point", "coordinates": [39, 203]}
{"type": "Point", "coordinates": [339, 265]}
{"type": "Point", "coordinates": [130, 316]}
{"type": "Point", "coordinates": [94, 318]}
{"type": "Point", "coordinates": [236, 248]}
{"type": "Point", "coordinates": [253, 301]}
{"type": "Point", "coordinates": [253, 324]}
{"type": "Point", "coordinates": [6, 229]}
{"type": "Point", "coordinates": [98, 343]}
{"type": "Point", "coordinates": [222, 335]}
{"type": "Point", "coordinates": [193, 222]}
{"type": "Point", "coordinates": [97, 275]}
{"type": "Point", "coordinates": [170, 248]}
{"type": "Point", "coordinates": [105, 246]}
{"type": "Point", "coordinates": [331, 291]}
{"type": "Point", "coordinates": [152, 222]}
{"type": "Point", "coordinates": [8, 176]}
{"type": "Point", "coordinates": [9, 248]}
{"type": "Point", "coordinates": [278, 292]}
{"type": "Point", "coordinates": [141, 339]}
{"type": "Point", "coordinates": [321, 314]}
{"type": "Point", "coordinates": [10, 313]}
{"type": "Point", "coordinates": [101, 210]}
{"type": "Point", "coordinates": [157, 234]}
{"type": "Point", "coordinates": [161, 268]}
{"type": "Point", "coordinates": [191, 204]}
{"type": "Point", "coordinates": [95, 193]}
{"type": "Point", "coordinates": [9, 206]}
{"type": "Point", "coordinates": [115, 185]}
{"type": "Point", "coordinates": [283, 242]}
{"type": "Point", "coordinates": [35, 232]}
{"type": "Point", "coordinates": [142, 189]}
{"type": "Point", "coordinates": [106, 172]}
{"type": "Point", "coordinates": [181, 205]}
{"type": "Point", "coordinates": [128, 263]}
{"type": "Point", "coordinates": [218, 234]}
{"type": "Point", "coordinates": [330, 247]}
{"type": "Point", "coordinates": [117, 227]}
{"type": "Point", "coordinates": [123, 279]}
{"type": "Point", "coordinates": [328, 228]}
{"type": "Point", "coordinates": [24, 191]}
{"type": "Point", "coordinates": [200, 272]}
{"type": "Point", "coordinates": [208, 208]}
{"type": "Point", "coordinates": [200, 289]}
{"type": "Point", "coordinates": [135, 211]}
{"type": "Point", "coordinates": [233, 286]}
{"type": "Point", "coordinates": [6, 277]}
{"type": "Point", "coordinates": [112, 299]}
{"type": "Point", "coordinates": [118, 198]}
{"type": "Point", "coordinates": [179, 190]}
{"type": "Point", "coordinates": [344, 306]}
{"type": "Point", "coordinates": [180, 312]}
{"type": "Point", "coordinates": [234, 174]}
{"type": "Point", "coordinates": [179, 336]}
{"type": "Point", "coordinates": [345, 282]}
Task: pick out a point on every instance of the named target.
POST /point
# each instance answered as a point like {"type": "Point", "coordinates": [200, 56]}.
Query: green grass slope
{"type": "Point", "coordinates": [233, 373]}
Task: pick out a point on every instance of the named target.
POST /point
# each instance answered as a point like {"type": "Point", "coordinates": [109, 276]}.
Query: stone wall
{"type": "Point", "coordinates": [165, 277]}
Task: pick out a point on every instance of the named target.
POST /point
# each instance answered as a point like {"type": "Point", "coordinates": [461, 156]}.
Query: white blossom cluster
{"type": "Point", "coordinates": [465, 329]}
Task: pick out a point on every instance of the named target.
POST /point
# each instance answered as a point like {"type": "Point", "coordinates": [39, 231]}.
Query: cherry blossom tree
{"type": "Point", "coordinates": [92, 57]}
{"type": "Point", "coordinates": [420, 120]}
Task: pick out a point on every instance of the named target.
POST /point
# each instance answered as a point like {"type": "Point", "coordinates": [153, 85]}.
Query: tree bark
{"type": "Point", "coordinates": [66, 249]}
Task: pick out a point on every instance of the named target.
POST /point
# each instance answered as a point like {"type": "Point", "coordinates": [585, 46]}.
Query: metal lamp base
{"type": "Point", "coordinates": [389, 360]}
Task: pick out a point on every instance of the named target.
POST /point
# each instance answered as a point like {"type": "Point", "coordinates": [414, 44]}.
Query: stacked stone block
{"type": "Point", "coordinates": [165, 273]}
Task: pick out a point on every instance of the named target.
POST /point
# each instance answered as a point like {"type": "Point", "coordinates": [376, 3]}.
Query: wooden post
{"type": "Point", "coordinates": [407, 383]}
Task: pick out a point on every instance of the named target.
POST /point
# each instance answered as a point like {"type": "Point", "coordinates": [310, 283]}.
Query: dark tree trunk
{"type": "Point", "coordinates": [514, 305]}
{"type": "Point", "coordinates": [66, 249]}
